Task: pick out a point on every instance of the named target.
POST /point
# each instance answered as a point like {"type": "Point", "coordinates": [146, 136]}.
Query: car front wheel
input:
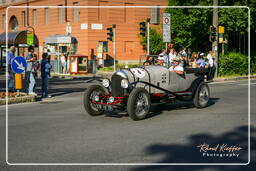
{"type": "Point", "coordinates": [90, 95]}
{"type": "Point", "coordinates": [202, 96]}
{"type": "Point", "coordinates": [138, 104]}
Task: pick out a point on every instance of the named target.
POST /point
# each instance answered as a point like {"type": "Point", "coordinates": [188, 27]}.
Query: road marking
{"type": "Point", "coordinates": [247, 84]}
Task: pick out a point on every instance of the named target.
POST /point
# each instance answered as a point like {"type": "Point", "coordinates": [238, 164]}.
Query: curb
{"type": "Point", "coordinates": [234, 78]}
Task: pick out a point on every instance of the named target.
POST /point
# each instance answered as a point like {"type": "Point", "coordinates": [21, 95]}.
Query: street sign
{"type": "Point", "coordinates": [166, 27]}
{"type": "Point", "coordinates": [30, 38]}
{"type": "Point", "coordinates": [19, 64]}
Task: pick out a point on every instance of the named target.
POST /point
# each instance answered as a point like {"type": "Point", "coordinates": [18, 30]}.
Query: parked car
{"type": "Point", "coordinates": [135, 89]}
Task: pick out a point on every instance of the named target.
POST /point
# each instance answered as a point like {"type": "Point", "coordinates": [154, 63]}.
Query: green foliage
{"type": "Point", "coordinates": [236, 19]}
{"type": "Point", "coordinates": [156, 41]}
{"type": "Point", "coordinates": [233, 63]}
{"type": "Point", "coordinates": [190, 27]}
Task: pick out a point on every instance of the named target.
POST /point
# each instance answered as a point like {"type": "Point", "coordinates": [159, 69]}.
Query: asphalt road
{"type": "Point", "coordinates": [58, 130]}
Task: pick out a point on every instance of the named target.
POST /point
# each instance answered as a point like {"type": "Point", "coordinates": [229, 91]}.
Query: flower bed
{"type": "Point", "coordinates": [14, 97]}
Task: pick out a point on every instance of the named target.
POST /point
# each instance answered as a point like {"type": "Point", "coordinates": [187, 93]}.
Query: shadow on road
{"type": "Point", "coordinates": [190, 153]}
{"type": "Point", "coordinates": [159, 109]}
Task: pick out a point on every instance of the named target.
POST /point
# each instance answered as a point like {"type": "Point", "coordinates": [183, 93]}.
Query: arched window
{"type": "Point", "coordinates": [13, 24]}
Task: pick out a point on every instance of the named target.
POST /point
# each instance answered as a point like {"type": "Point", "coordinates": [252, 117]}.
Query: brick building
{"type": "Point", "coordinates": [87, 26]}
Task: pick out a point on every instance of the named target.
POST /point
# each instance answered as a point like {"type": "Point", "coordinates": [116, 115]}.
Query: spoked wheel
{"type": "Point", "coordinates": [90, 96]}
{"type": "Point", "coordinates": [202, 96]}
{"type": "Point", "coordinates": [138, 105]}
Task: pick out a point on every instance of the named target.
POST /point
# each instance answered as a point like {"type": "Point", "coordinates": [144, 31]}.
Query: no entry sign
{"type": "Point", "coordinates": [166, 27]}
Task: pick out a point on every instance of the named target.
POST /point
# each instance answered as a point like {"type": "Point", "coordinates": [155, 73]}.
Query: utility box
{"type": "Point", "coordinates": [78, 64]}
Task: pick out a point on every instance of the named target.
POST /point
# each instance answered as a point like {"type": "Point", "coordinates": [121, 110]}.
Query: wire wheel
{"type": "Point", "coordinates": [138, 105]}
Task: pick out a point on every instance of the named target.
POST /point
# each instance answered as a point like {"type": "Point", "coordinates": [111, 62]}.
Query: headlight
{"type": "Point", "coordinates": [124, 83]}
{"type": "Point", "coordinates": [105, 82]}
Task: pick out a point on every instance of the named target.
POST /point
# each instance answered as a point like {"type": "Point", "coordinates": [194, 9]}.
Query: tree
{"type": "Point", "coordinates": [156, 41]}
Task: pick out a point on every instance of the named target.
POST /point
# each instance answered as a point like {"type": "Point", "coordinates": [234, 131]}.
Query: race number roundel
{"type": "Point", "coordinates": [138, 72]}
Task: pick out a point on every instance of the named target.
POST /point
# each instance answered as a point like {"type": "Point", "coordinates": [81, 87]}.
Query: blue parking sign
{"type": "Point", "coordinates": [19, 64]}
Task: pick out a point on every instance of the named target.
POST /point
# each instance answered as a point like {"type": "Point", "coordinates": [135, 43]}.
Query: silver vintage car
{"type": "Point", "coordinates": [135, 89]}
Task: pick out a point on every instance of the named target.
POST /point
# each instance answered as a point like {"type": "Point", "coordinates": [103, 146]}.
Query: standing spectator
{"type": "Point", "coordinates": [30, 60]}
{"type": "Point", "coordinates": [192, 60]}
{"type": "Point", "coordinates": [210, 59]}
{"type": "Point", "coordinates": [45, 74]}
{"type": "Point", "coordinates": [172, 56]}
{"type": "Point", "coordinates": [10, 57]}
{"type": "Point", "coordinates": [68, 64]}
{"type": "Point", "coordinates": [201, 61]}
{"type": "Point", "coordinates": [63, 63]}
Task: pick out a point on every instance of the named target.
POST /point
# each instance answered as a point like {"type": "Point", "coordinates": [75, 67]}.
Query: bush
{"type": "Point", "coordinates": [233, 64]}
{"type": "Point", "coordinates": [156, 41]}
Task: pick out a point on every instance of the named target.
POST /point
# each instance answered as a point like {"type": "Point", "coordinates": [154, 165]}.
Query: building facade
{"type": "Point", "coordinates": [87, 26]}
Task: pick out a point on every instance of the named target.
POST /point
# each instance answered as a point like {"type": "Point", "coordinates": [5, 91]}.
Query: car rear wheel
{"type": "Point", "coordinates": [202, 96]}
{"type": "Point", "coordinates": [138, 104]}
{"type": "Point", "coordinates": [90, 95]}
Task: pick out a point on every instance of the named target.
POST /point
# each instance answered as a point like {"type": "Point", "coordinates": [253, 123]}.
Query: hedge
{"type": "Point", "coordinates": [235, 64]}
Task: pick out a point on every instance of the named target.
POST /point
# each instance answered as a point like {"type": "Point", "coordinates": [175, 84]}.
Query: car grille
{"type": "Point", "coordinates": [116, 88]}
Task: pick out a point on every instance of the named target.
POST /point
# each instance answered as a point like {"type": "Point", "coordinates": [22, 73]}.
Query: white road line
{"type": "Point", "coordinates": [247, 84]}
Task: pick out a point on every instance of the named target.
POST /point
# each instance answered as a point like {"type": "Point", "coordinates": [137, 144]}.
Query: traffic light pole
{"type": "Point", "coordinates": [148, 41]}
{"type": "Point", "coordinates": [215, 42]}
{"type": "Point", "coordinates": [114, 45]}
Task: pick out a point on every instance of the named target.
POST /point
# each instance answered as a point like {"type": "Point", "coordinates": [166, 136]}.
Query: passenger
{"type": "Point", "coordinates": [160, 61]}
{"type": "Point", "coordinates": [176, 67]}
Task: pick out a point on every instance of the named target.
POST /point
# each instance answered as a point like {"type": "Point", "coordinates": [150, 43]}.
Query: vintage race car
{"type": "Point", "coordinates": [135, 89]}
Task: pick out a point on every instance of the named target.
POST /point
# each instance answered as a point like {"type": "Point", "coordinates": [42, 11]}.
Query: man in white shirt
{"type": "Point", "coordinates": [210, 59]}
{"type": "Point", "coordinates": [172, 55]}
{"type": "Point", "coordinates": [176, 67]}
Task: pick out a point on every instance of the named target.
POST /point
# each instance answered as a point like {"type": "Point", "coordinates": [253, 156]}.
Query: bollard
{"type": "Point", "coordinates": [18, 82]}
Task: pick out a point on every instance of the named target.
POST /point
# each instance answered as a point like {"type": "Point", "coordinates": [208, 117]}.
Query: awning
{"type": "Point", "coordinates": [17, 39]}
{"type": "Point", "coordinates": [57, 38]}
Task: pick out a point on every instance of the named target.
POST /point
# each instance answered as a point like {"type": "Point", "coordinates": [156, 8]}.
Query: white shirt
{"type": "Point", "coordinates": [177, 68]}
{"type": "Point", "coordinates": [172, 56]}
{"type": "Point", "coordinates": [209, 57]}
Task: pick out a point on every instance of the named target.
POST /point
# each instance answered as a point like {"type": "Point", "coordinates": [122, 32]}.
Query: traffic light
{"type": "Point", "coordinates": [143, 29]}
{"type": "Point", "coordinates": [213, 34]}
{"type": "Point", "coordinates": [110, 33]}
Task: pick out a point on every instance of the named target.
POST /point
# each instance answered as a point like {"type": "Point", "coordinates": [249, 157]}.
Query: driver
{"type": "Point", "coordinates": [176, 66]}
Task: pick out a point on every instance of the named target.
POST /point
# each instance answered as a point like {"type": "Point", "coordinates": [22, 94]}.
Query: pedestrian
{"type": "Point", "coordinates": [10, 57]}
{"type": "Point", "coordinates": [63, 63]}
{"type": "Point", "coordinates": [29, 81]}
{"type": "Point", "coordinates": [45, 74]}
